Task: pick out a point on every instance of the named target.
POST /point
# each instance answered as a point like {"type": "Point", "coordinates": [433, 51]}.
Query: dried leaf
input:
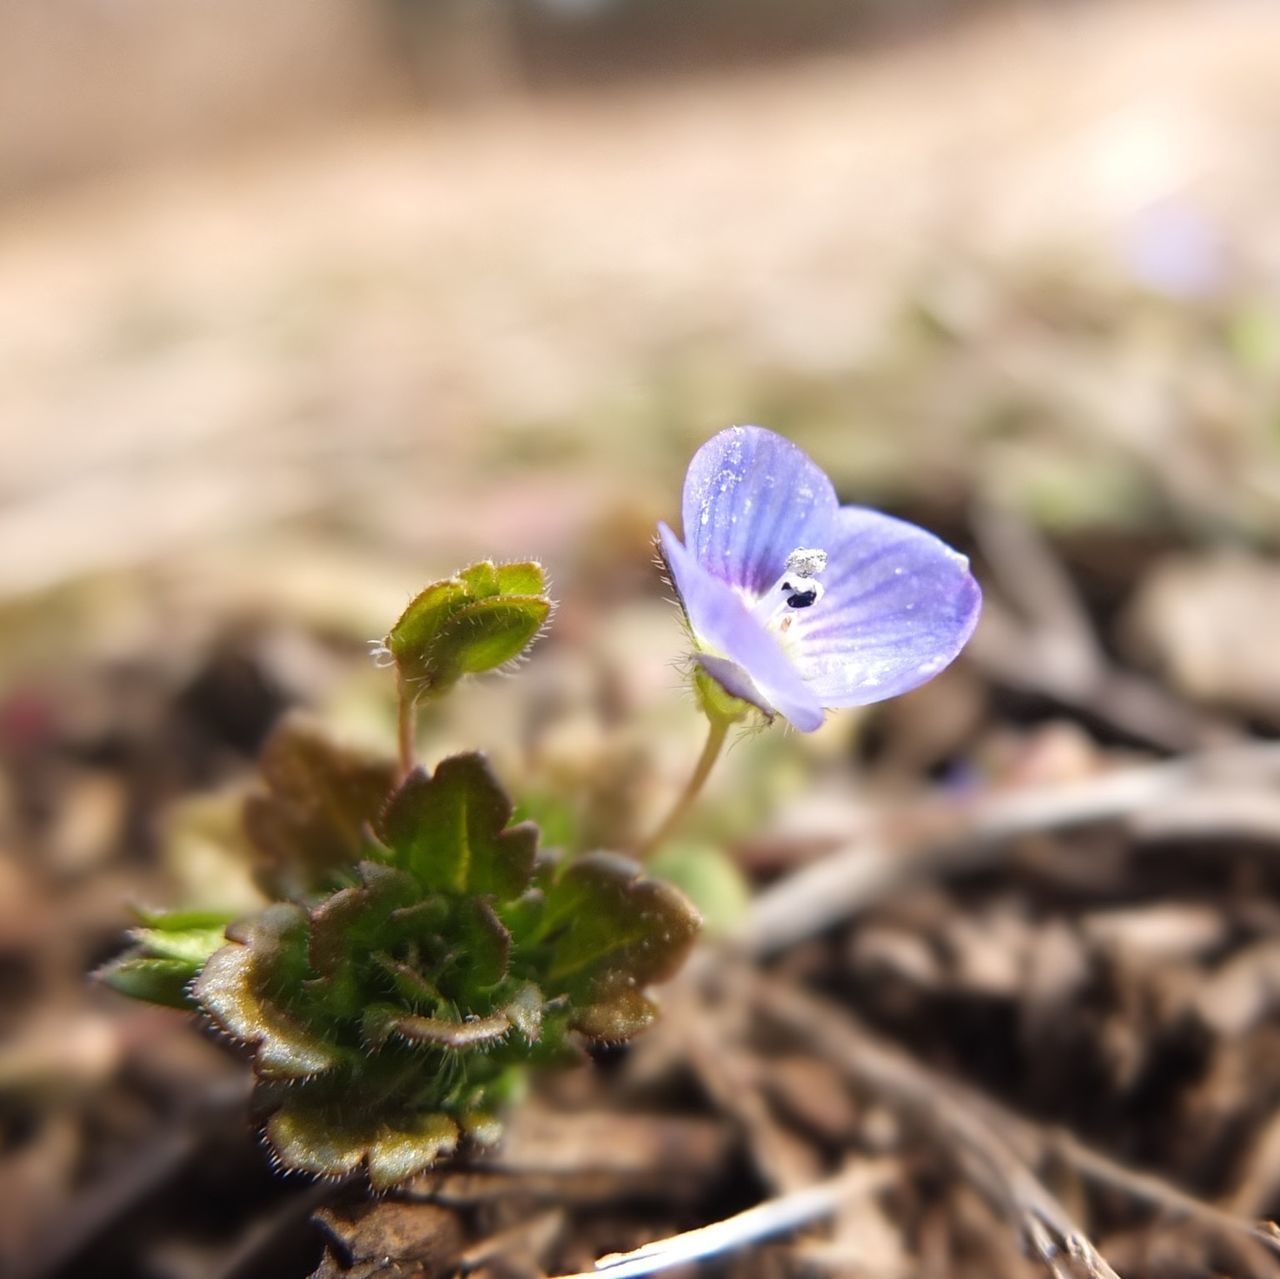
{"type": "Point", "coordinates": [390, 1233]}
{"type": "Point", "coordinates": [313, 823]}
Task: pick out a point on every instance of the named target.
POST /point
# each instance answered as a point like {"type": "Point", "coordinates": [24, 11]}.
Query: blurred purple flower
{"type": "Point", "coordinates": [797, 603]}
{"type": "Point", "coordinates": [1175, 250]}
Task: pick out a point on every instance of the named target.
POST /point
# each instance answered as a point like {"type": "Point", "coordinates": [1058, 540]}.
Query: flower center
{"type": "Point", "coordinates": [797, 588]}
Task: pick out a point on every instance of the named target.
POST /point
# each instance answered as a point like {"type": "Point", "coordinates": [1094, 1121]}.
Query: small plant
{"type": "Point", "coordinates": [420, 953]}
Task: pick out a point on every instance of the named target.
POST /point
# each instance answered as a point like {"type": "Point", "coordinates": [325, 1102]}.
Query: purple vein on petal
{"type": "Point", "coordinates": [750, 499]}
{"type": "Point", "coordinates": [899, 606]}
{"type": "Point", "coordinates": [722, 622]}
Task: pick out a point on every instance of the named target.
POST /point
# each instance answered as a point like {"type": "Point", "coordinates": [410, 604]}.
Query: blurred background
{"type": "Point", "coordinates": [305, 304]}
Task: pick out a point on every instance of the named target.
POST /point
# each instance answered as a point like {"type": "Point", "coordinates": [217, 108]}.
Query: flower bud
{"type": "Point", "coordinates": [481, 619]}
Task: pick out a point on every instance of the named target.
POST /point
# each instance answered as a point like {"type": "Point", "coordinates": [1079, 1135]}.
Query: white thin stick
{"type": "Point", "coordinates": [838, 885]}
{"type": "Point", "coordinates": [773, 1217]}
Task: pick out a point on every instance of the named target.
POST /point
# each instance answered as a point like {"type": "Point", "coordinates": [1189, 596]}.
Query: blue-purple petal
{"type": "Point", "coordinates": [745, 657]}
{"type": "Point", "coordinates": [898, 607]}
{"type": "Point", "coordinates": [750, 499]}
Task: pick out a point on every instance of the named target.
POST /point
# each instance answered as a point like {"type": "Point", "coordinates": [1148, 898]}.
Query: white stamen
{"type": "Point", "coordinates": [798, 588]}
{"type": "Point", "coordinates": [806, 562]}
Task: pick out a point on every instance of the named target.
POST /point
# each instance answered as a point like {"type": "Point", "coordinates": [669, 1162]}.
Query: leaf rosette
{"type": "Point", "coordinates": [428, 956]}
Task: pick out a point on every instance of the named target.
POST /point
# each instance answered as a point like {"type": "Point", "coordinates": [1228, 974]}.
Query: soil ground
{"type": "Point", "coordinates": [1017, 281]}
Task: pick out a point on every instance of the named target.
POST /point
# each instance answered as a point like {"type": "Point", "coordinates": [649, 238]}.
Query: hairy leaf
{"type": "Point", "coordinates": [620, 1015]}
{"type": "Point", "coordinates": [320, 1139]}
{"type": "Point", "coordinates": [241, 988]}
{"type": "Point", "coordinates": [453, 1034]}
{"type": "Point", "coordinates": [354, 921]}
{"type": "Point", "coordinates": [612, 933]}
{"type": "Point", "coordinates": [450, 831]}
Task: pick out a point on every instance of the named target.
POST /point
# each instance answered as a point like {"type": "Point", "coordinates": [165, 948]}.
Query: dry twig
{"type": "Point", "coordinates": [773, 1217]}
{"type": "Point", "coordinates": [908, 845]}
{"type": "Point", "coordinates": [990, 1152]}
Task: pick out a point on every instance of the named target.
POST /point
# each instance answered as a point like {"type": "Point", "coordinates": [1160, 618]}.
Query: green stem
{"type": "Point", "coordinates": [716, 738]}
{"type": "Point", "coordinates": [406, 724]}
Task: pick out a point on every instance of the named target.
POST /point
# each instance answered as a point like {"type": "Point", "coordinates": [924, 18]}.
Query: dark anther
{"type": "Point", "coordinates": [801, 599]}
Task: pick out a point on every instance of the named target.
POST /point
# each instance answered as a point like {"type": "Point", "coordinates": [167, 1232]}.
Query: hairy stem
{"type": "Point", "coordinates": [716, 737]}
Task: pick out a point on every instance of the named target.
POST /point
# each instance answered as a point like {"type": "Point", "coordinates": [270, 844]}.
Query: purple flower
{"type": "Point", "coordinates": [797, 603]}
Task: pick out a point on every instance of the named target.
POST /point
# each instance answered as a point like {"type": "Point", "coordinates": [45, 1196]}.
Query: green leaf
{"type": "Point", "coordinates": [523, 917]}
{"type": "Point", "coordinates": [412, 985]}
{"type": "Point", "coordinates": [181, 920]}
{"type": "Point", "coordinates": [169, 952]}
{"type": "Point", "coordinates": [353, 921]}
{"type": "Point", "coordinates": [450, 831]}
{"type": "Point", "coordinates": [313, 823]}
{"type": "Point", "coordinates": [158, 981]}
{"type": "Point", "coordinates": [523, 1013]}
{"type": "Point", "coordinates": [444, 1033]}
{"type": "Point", "coordinates": [191, 945]}
{"type": "Point", "coordinates": [485, 948]}
{"type": "Point", "coordinates": [612, 932]}
{"type": "Point", "coordinates": [396, 1154]}
{"type": "Point", "coordinates": [482, 618]}
{"type": "Point", "coordinates": [246, 984]}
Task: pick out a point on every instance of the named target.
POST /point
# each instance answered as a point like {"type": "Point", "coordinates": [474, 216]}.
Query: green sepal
{"type": "Point", "coordinates": [715, 701]}
{"type": "Point", "coordinates": [481, 619]}
{"type": "Point", "coordinates": [487, 635]}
